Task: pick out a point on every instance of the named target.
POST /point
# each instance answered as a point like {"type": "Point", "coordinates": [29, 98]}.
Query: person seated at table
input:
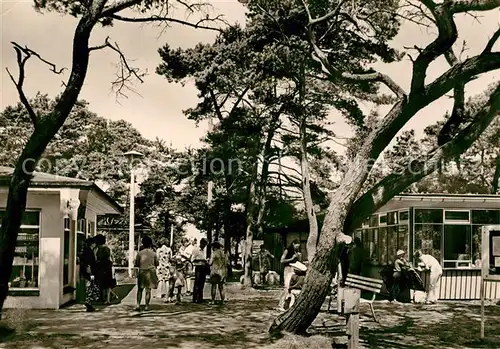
{"type": "Point", "coordinates": [401, 264]}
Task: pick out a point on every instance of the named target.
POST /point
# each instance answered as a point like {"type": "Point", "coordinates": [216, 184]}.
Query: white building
{"type": "Point", "coordinates": [60, 213]}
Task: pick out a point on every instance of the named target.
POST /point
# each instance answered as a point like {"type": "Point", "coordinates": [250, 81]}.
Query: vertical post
{"type": "Point", "coordinates": [171, 235]}
{"type": "Point", "coordinates": [210, 222]}
{"type": "Point", "coordinates": [131, 236]}
{"type": "Point", "coordinates": [482, 306]}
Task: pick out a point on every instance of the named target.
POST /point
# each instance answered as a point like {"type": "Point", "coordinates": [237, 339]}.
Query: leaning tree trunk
{"type": "Point", "coordinates": [46, 128]}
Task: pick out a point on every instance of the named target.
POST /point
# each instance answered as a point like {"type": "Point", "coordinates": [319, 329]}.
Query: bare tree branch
{"type": "Point", "coordinates": [492, 41]}
{"type": "Point", "coordinates": [118, 6]}
{"type": "Point", "coordinates": [125, 71]}
{"type": "Point", "coordinates": [384, 190]}
{"type": "Point", "coordinates": [460, 6]}
{"type": "Point", "coordinates": [23, 54]}
{"type": "Point", "coordinates": [199, 24]}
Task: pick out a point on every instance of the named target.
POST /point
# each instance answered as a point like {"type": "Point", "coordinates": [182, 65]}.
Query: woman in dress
{"type": "Point", "coordinates": [87, 271]}
{"type": "Point", "coordinates": [104, 268]}
{"type": "Point", "coordinates": [163, 270]}
{"type": "Point", "coordinates": [146, 261]}
{"type": "Point", "coordinates": [218, 271]}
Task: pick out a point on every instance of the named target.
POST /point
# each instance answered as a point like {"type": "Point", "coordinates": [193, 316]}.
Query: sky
{"type": "Point", "coordinates": [158, 113]}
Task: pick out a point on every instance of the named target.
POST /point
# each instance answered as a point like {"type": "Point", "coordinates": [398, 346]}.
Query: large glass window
{"type": "Point", "coordinates": [457, 245]}
{"type": "Point", "coordinates": [485, 216]}
{"type": "Point", "coordinates": [392, 243]}
{"type": "Point", "coordinates": [428, 239]}
{"type": "Point", "coordinates": [403, 237]}
{"type": "Point", "coordinates": [428, 216]}
{"type": "Point", "coordinates": [392, 218]}
{"type": "Point", "coordinates": [382, 257]}
{"type": "Point", "coordinates": [25, 269]}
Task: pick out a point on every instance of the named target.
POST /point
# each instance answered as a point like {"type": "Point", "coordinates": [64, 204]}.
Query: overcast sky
{"type": "Point", "coordinates": [158, 113]}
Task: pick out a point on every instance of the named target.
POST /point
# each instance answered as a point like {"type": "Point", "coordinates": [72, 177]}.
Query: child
{"type": "Point", "coordinates": [218, 271]}
{"type": "Point", "coordinates": [176, 281]}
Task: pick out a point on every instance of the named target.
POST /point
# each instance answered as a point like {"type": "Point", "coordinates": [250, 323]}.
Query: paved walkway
{"type": "Point", "coordinates": [243, 323]}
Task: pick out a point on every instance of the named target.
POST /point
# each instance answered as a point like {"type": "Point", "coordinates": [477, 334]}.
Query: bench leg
{"type": "Point", "coordinates": [373, 312]}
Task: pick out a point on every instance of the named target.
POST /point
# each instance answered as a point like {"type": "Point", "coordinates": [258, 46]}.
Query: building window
{"type": "Point", "coordinates": [429, 216]}
{"type": "Point", "coordinates": [392, 218]}
{"type": "Point", "coordinates": [67, 238]}
{"type": "Point", "coordinates": [457, 246]}
{"type": "Point", "coordinates": [428, 239]}
{"type": "Point", "coordinates": [455, 216]}
{"type": "Point", "coordinates": [383, 219]}
{"type": "Point", "coordinates": [392, 242]}
{"type": "Point", "coordinates": [404, 216]}
{"type": "Point", "coordinates": [25, 269]}
{"type": "Point", "coordinates": [485, 216]}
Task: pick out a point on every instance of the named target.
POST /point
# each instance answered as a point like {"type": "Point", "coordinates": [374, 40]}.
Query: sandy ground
{"type": "Point", "coordinates": [243, 322]}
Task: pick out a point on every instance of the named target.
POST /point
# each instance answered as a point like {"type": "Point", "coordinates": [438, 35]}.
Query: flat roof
{"type": "Point", "coordinates": [47, 180]}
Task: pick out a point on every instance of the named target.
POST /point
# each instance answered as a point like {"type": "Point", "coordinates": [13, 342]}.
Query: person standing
{"type": "Point", "coordinates": [401, 264]}
{"type": "Point", "coordinates": [218, 271]}
{"type": "Point", "coordinates": [186, 252]}
{"type": "Point", "coordinates": [87, 272]}
{"type": "Point", "coordinates": [104, 268]}
{"type": "Point", "coordinates": [357, 257]}
{"type": "Point", "coordinates": [146, 261]}
{"type": "Point", "coordinates": [163, 271]}
{"type": "Point", "coordinates": [292, 254]}
{"type": "Point", "coordinates": [264, 263]}
{"type": "Point", "coordinates": [200, 266]}
{"type": "Point", "coordinates": [428, 262]}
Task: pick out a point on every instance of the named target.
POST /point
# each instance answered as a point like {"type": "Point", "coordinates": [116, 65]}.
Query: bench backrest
{"type": "Point", "coordinates": [364, 283]}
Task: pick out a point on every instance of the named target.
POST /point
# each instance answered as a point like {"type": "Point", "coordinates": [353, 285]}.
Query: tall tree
{"type": "Point", "coordinates": [347, 208]}
{"type": "Point", "coordinates": [90, 13]}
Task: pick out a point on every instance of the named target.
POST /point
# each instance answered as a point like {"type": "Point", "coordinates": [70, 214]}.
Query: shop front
{"type": "Point", "coordinates": [445, 226]}
{"type": "Point", "coordinates": [60, 213]}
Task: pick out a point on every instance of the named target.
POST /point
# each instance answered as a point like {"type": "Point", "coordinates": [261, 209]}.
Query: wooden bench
{"type": "Point", "coordinates": [365, 284]}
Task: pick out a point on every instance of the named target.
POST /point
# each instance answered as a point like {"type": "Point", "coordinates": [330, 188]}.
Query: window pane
{"type": "Point", "coordinates": [31, 218]}
{"type": "Point", "coordinates": [392, 242]}
{"type": "Point", "coordinates": [404, 216]}
{"type": "Point", "coordinates": [457, 242]}
{"type": "Point", "coordinates": [428, 239]}
{"type": "Point", "coordinates": [456, 215]}
{"type": "Point", "coordinates": [486, 216]}
{"type": "Point", "coordinates": [374, 221]}
{"type": "Point", "coordinates": [429, 216]}
{"type": "Point", "coordinates": [476, 245]}
{"type": "Point", "coordinates": [26, 260]}
{"type": "Point", "coordinates": [382, 242]}
{"type": "Point", "coordinates": [358, 234]}
{"type": "Point", "coordinates": [403, 237]}
{"type": "Point", "coordinates": [383, 218]}
{"type": "Point", "coordinates": [371, 245]}
{"type": "Point", "coordinates": [392, 218]}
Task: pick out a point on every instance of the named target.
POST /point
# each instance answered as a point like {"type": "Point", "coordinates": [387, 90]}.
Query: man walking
{"type": "Point", "coordinates": [428, 262]}
{"type": "Point", "coordinates": [200, 270]}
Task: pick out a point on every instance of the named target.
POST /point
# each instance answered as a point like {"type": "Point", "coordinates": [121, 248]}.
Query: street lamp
{"type": "Point", "coordinates": [131, 155]}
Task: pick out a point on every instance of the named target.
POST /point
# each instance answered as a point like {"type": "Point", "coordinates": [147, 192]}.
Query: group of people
{"type": "Point", "coordinates": [96, 267]}
{"type": "Point", "coordinates": [402, 267]}
{"type": "Point", "coordinates": [170, 273]}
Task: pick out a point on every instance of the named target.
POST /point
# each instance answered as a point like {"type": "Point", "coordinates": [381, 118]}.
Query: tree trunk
{"type": "Point", "coordinates": [312, 239]}
{"type": "Point", "coordinates": [247, 256]}
{"type": "Point", "coordinates": [45, 130]}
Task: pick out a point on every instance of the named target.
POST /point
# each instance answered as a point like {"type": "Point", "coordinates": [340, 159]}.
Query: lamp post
{"type": "Point", "coordinates": [131, 155]}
